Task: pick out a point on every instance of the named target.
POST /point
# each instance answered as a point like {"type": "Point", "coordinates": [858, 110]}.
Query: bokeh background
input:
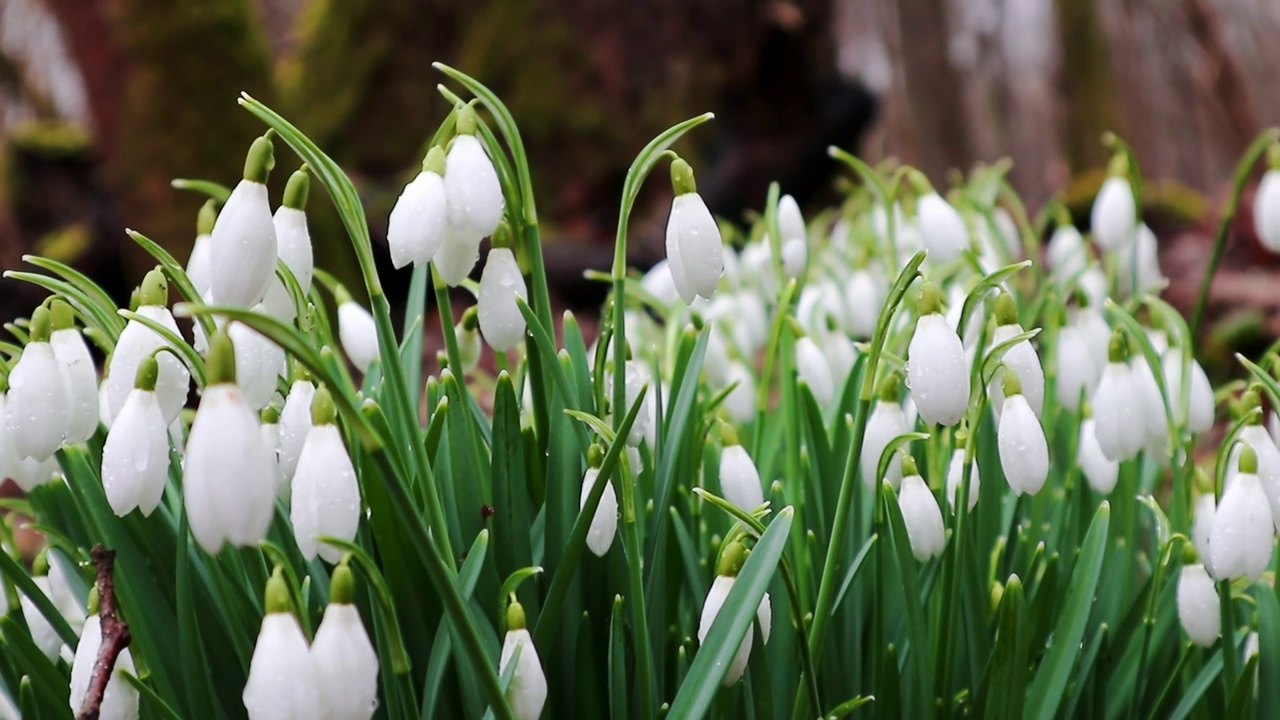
{"type": "Point", "coordinates": [103, 102]}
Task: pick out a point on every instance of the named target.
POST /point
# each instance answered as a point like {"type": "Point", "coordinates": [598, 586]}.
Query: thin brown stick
{"type": "Point", "coordinates": [115, 633]}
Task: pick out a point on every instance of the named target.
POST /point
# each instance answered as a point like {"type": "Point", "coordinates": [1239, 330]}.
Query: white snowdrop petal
{"type": "Point", "coordinates": [1023, 359]}
{"type": "Point", "coordinates": [937, 373]}
{"type": "Point", "coordinates": [259, 361]}
{"type": "Point", "coordinates": [1198, 605]}
{"type": "Point", "coordinates": [38, 409]}
{"type": "Point", "coordinates": [887, 422]}
{"type": "Point", "coordinates": [136, 342]}
{"type": "Point", "coordinates": [864, 295]}
{"type": "Point", "coordinates": [473, 193]}
{"type": "Point", "coordinates": [527, 693]}
{"type": "Point", "coordinates": [716, 596]}
{"type": "Point", "coordinates": [1077, 374]}
{"type": "Point", "coordinates": [1117, 411]}
{"type": "Point", "coordinates": [1241, 539]}
{"type": "Point", "coordinates": [1066, 254]}
{"type": "Point", "coordinates": [1197, 409]}
{"type": "Point", "coordinates": [764, 616]}
{"type": "Point", "coordinates": [295, 424]}
{"type": "Point", "coordinates": [795, 256]}
{"type": "Point", "coordinates": [325, 496]}
{"type": "Point", "coordinates": [695, 250]}
{"type": "Point", "coordinates": [741, 402]}
{"type": "Point", "coordinates": [135, 456]}
{"type": "Point", "coordinates": [242, 254]}
{"type": "Point", "coordinates": [293, 244]}
{"type": "Point", "coordinates": [419, 221]}
{"type": "Point", "coordinates": [198, 270]}
{"type": "Point", "coordinates": [955, 477]}
{"type": "Point", "coordinates": [941, 228]}
{"type": "Point", "coordinates": [282, 682]}
{"type": "Point", "coordinates": [346, 665]}
{"type": "Point", "coordinates": [501, 283]}
{"type": "Point", "coordinates": [1268, 465]}
{"type": "Point", "coordinates": [458, 255]}
{"type": "Point", "coordinates": [790, 220]}
{"type": "Point", "coordinates": [811, 365]}
{"type": "Point", "coordinates": [1113, 218]}
{"type": "Point", "coordinates": [358, 334]}
{"type": "Point", "coordinates": [922, 517]}
{"type": "Point", "coordinates": [604, 524]}
{"type": "Point", "coordinates": [739, 478]}
{"type": "Point", "coordinates": [120, 700]}
{"type": "Point", "coordinates": [1100, 471]}
{"type": "Point", "coordinates": [1024, 453]}
{"type": "Point", "coordinates": [1266, 210]}
{"type": "Point", "coordinates": [80, 378]}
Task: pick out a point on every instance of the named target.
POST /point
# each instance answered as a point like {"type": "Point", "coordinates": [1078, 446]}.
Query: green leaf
{"type": "Point", "coordinates": [617, 662]}
{"type": "Point", "coordinates": [23, 582]}
{"type": "Point", "coordinates": [217, 191]}
{"type": "Point", "coordinates": [178, 276]}
{"type": "Point", "coordinates": [184, 352]}
{"type": "Point", "coordinates": [1007, 687]}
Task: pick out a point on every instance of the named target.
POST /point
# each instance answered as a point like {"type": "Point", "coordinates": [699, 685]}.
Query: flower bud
{"type": "Point", "coordinates": [79, 375]}
{"type": "Point", "coordinates": [1021, 358]}
{"type": "Point", "coordinates": [501, 283]}
{"type": "Point", "coordinates": [1241, 540]}
{"type": "Point", "coordinates": [346, 663]}
{"type": "Point", "coordinates": [1024, 453]}
{"type": "Point", "coordinates": [937, 374]}
{"type": "Point", "coordinates": [120, 700]}
{"type": "Point", "coordinates": [864, 295]}
{"type": "Point", "coordinates": [138, 341]}
{"type": "Point", "coordinates": [920, 514]}
{"type": "Point", "coordinates": [1266, 210]}
{"type": "Point", "coordinates": [1077, 374]}
{"type": "Point", "coordinates": [1198, 605]}
{"type": "Point", "coordinates": [1113, 217]}
{"type": "Point", "coordinates": [293, 246]}
{"type": "Point", "coordinates": [527, 693]}
{"type": "Point", "coordinates": [955, 476]}
{"type": "Point", "coordinates": [812, 368]}
{"type": "Point", "coordinates": [242, 256]}
{"type": "Point", "coordinates": [325, 492]}
{"type": "Point", "coordinates": [886, 422]}
{"type": "Point", "coordinates": [710, 609]}
{"type": "Point", "coordinates": [295, 424]}
{"type": "Point", "coordinates": [604, 524]}
{"type": "Point", "coordinates": [419, 220]}
{"type": "Point", "coordinates": [198, 269]}
{"type": "Point", "coordinates": [941, 228]}
{"type": "Point", "coordinates": [357, 331]}
{"type": "Point", "coordinates": [695, 251]}
{"type": "Point", "coordinates": [471, 186]}
{"type": "Point", "coordinates": [135, 457]}
{"type": "Point", "coordinates": [1117, 408]}
{"type": "Point", "coordinates": [739, 478]}
{"type": "Point", "coordinates": [39, 408]}
{"type": "Point", "coordinates": [282, 683]}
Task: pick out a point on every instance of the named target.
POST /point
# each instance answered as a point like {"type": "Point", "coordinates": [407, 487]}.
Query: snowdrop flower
{"type": "Point", "coordinates": [293, 247]}
{"type": "Point", "coordinates": [283, 681]}
{"type": "Point", "coordinates": [78, 373]}
{"type": "Point", "coordinates": [1100, 471]}
{"type": "Point", "coordinates": [841, 356]}
{"type": "Point", "coordinates": [259, 362]}
{"type": "Point", "coordinates": [242, 256]}
{"type": "Point", "coordinates": [135, 457]}
{"type": "Point", "coordinates": [356, 330]}
{"type": "Point", "coordinates": [198, 270]}
{"type": "Point", "coordinates": [9, 460]}
{"type": "Point", "coordinates": [419, 220]}
{"type": "Point", "coordinates": [1021, 358]}
{"type": "Point", "coordinates": [1024, 453]}
{"type": "Point", "coordinates": [1257, 437]}
{"type": "Point", "coordinates": [937, 374]}
{"type": "Point", "coordinates": [1117, 406]}
{"type": "Point", "coordinates": [527, 693]}
{"type": "Point", "coordinates": [739, 478]}
{"type": "Point", "coordinates": [46, 639]}
{"type": "Point", "coordinates": [1203, 514]}
{"type": "Point", "coordinates": [326, 494]}
{"type": "Point", "coordinates": [457, 256]}
{"type": "Point", "coordinates": [295, 422]}
{"type": "Point", "coordinates": [635, 377]}
{"type": "Point", "coordinates": [1241, 539]}
{"type": "Point", "coordinates": [270, 431]}
{"type": "Point", "coordinates": [229, 474]}
{"type": "Point", "coordinates": [1094, 331]}
{"type": "Point", "coordinates": [604, 524]}
{"type": "Point", "coordinates": [920, 514]}
{"type": "Point", "coordinates": [467, 330]}
{"type": "Point", "coordinates": [472, 191]}
{"type": "Point", "coordinates": [138, 341]}
{"type": "Point", "coordinates": [1114, 216]}
{"type": "Point", "coordinates": [955, 476]}
{"type": "Point", "coordinates": [1198, 605]}
{"type": "Point", "coordinates": [1138, 265]}
{"type": "Point", "coordinates": [795, 257]}
{"type": "Point", "coordinates": [1155, 423]}
{"type": "Point", "coordinates": [741, 401]}
{"type": "Point", "coordinates": [795, 244]}
{"type": "Point", "coordinates": [695, 251]}
{"type": "Point", "coordinates": [1196, 409]}
{"type": "Point", "coordinates": [38, 409]}
{"type": "Point", "coordinates": [886, 422]}
{"type": "Point", "coordinates": [500, 284]}
{"type": "Point", "coordinates": [120, 700]}
{"type": "Point", "coordinates": [864, 294]}
{"type": "Point", "coordinates": [659, 283]}
{"type": "Point", "coordinates": [1077, 374]}
{"type": "Point", "coordinates": [1266, 205]}
{"type": "Point", "coordinates": [1067, 255]}
{"type": "Point", "coordinates": [29, 472]}
{"type": "Point", "coordinates": [812, 368]}
{"type": "Point", "coordinates": [346, 664]}
{"type": "Point", "coordinates": [941, 228]}
{"type": "Point", "coordinates": [731, 561]}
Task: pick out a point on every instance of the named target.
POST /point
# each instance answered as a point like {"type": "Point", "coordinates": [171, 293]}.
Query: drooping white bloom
{"type": "Point", "coordinates": [527, 693]}
{"type": "Point", "coordinates": [458, 255]}
{"type": "Point", "coordinates": [346, 665]}
{"type": "Point", "coordinates": [941, 228]}
{"type": "Point", "coordinates": [1117, 409]}
{"type": "Point", "coordinates": [29, 472]}
{"type": "Point", "coordinates": [1155, 422]}
{"type": "Point", "coordinates": [812, 368]}
{"type": "Point", "coordinates": [198, 268]}
{"type": "Point", "coordinates": [293, 247]}
{"type": "Point", "coordinates": [38, 408]}
{"type": "Point", "coordinates": [659, 283]}
{"type": "Point", "coordinates": [795, 256]}
{"type": "Point", "coordinates": [865, 295]}
{"type": "Point", "coordinates": [694, 248]}
{"type": "Point", "coordinates": [138, 341]}
{"type": "Point", "coordinates": [1198, 605]}
{"type": "Point", "coordinates": [1203, 514]}
{"type": "Point", "coordinates": [1241, 540]}
{"type": "Point", "coordinates": [937, 374]}
{"type": "Point", "coordinates": [790, 220]}
{"type": "Point", "coordinates": [9, 460]}
{"type": "Point", "coordinates": [1139, 263]}
{"type": "Point", "coordinates": [79, 376]}
{"type": "Point", "coordinates": [1023, 359]}
{"type": "Point", "coordinates": [295, 424]}
{"type": "Point", "coordinates": [1096, 335]}
{"type": "Point", "coordinates": [1266, 210]}
{"type": "Point", "coordinates": [886, 422]}
{"type": "Point", "coordinates": [500, 284]}
{"type": "Point", "coordinates": [1196, 408]}
{"type": "Point", "coordinates": [841, 355]}
{"type": "Point", "coordinates": [326, 494]}
{"type": "Point", "coordinates": [471, 187]}
{"type": "Point", "coordinates": [1024, 453]}
{"type": "Point", "coordinates": [922, 517]}
{"type": "Point", "coordinates": [1066, 254]}
{"type": "Point", "coordinates": [242, 257]}
{"type": "Point", "coordinates": [270, 430]}
{"type": "Point", "coordinates": [135, 457]}
{"type": "Point", "coordinates": [741, 401]}
{"type": "Point", "coordinates": [46, 639]}
{"type": "Point", "coordinates": [710, 609]}
{"type": "Point", "coordinates": [739, 478]}
{"type": "Point", "coordinates": [604, 524]}
{"type": "Point", "coordinates": [259, 362]}
{"type": "Point", "coordinates": [282, 682]}
{"type": "Point", "coordinates": [1268, 456]}
{"type": "Point", "coordinates": [120, 700]}
{"type": "Point", "coordinates": [955, 477]}
{"type": "Point", "coordinates": [1101, 471]}
{"type": "Point", "coordinates": [419, 220]}
{"type": "Point", "coordinates": [358, 333]}
{"type": "Point", "coordinates": [1077, 374]}
{"type": "Point", "coordinates": [1113, 217]}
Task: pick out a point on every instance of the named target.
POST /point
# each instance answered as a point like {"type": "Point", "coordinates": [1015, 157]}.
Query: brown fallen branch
{"type": "Point", "coordinates": [115, 634]}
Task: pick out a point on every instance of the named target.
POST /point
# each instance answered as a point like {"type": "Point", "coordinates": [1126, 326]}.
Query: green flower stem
{"type": "Point", "coordinates": [1227, 639]}
{"type": "Point", "coordinates": [1243, 171]}
{"type": "Point", "coordinates": [445, 307]}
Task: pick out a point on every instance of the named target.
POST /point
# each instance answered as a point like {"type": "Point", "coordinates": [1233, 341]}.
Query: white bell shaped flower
{"type": "Point", "coordinates": [757, 267]}
{"type": "Point", "coordinates": [1268, 454]}
{"type": "Point", "coordinates": [739, 478]}
{"type": "Point", "coordinates": [1241, 541]}
{"type": "Point", "coordinates": [795, 240]}
{"type": "Point", "coordinates": [887, 421]}
{"type": "Point", "coordinates": [1024, 452]}
{"type": "Point", "coordinates": [9, 460]}
{"type": "Point", "coordinates": [1100, 471]}
{"type": "Point", "coordinates": [419, 220]}
{"type": "Point", "coordinates": [1021, 358]}
{"type": "Point", "coordinates": [30, 473]}
{"type": "Point", "coordinates": [242, 257]}
{"type": "Point", "coordinates": [812, 368]}
{"type": "Point", "coordinates": [1067, 255]}
{"type": "Point", "coordinates": [1266, 210]}
{"type": "Point", "coordinates": [293, 247]}
{"type": "Point", "coordinates": [138, 341]}
{"type": "Point", "coordinates": [955, 477]}
{"type": "Point", "coordinates": [1155, 423]}
{"type": "Point", "coordinates": [527, 693]}
{"type": "Point", "coordinates": [79, 375]}
{"type": "Point", "coordinates": [715, 362]}
{"type": "Point", "coordinates": [920, 514]}
{"type": "Point", "coordinates": [295, 423]}
{"type": "Point", "coordinates": [283, 683]}
{"type": "Point", "coordinates": [604, 524]}
{"type": "Point", "coordinates": [120, 700]}
{"type": "Point", "coordinates": [1077, 375]}
{"type": "Point", "coordinates": [500, 284]}
{"type": "Point", "coordinates": [659, 283]}
{"type": "Point", "coordinates": [229, 474]}
{"type": "Point", "coordinates": [1204, 513]}
{"type": "Point", "coordinates": [941, 228]}
{"type": "Point", "coordinates": [326, 493]}
{"type": "Point", "coordinates": [937, 373]}
{"type": "Point", "coordinates": [795, 257]}
{"type": "Point", "coordinates": [1096, 335]}
{"type": "Point", "coordinates": [135, 456]}
{"type": "Point", "coordinates": [458, 255]}
{"type": "Point", "coordinates": [1139, 263]}
{"type": "Point", "coordinates": [198, 268]}
{"type": "Point", "coordinates": [865, 295]}
{"type": "Point", "coordinates": [790, 220]}
{"type": "Point", "coordinates": [695, 250]}
{"type": "Point", "coordinates": [259, 362]}
{"type": "Point", "coordinates": [270, 431]}
{"type": "Point", "coordinates": [346, 663]}
{"type": "Point", "coordinates": [764, 616]}
{"type": "Point", "coordinates": [45, 638]}
{"type": "Point", "coordinates": [1113, 217]}
{"type": "Point", "coordinates": [1196, 407]}
{"type": "Point", "coordinates": [357, 331]}
{"type": "Point", "coordinates": [471, 186]}
{"type": "Point", "coordinates": [39, 408]}
{"type": "Point", "coordinates": [1117, 407]}
{"type": "Point", "coordinates": [727, 574]}
{"type": "Point", "coordinates": [841, 355]}
{"type": "Point", "coordinates": [1199, 610]}
{"type": "Point", "coordinates": [741, 401]}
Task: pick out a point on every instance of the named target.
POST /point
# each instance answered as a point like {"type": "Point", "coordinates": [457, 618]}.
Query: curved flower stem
{"type": "Point", "coordinates": [1243, 171]}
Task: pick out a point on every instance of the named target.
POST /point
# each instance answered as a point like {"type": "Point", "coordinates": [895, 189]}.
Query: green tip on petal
{"type": "Point", "coordinates": [342, 584]}
{"type": "Point", "coordinates": [148, 371]}
{"type": "Point", "coordinates": [929, 301]}
{"type": "Point", "coordinates": [728, 435]}
{"type": "Point", "coordinates": [887, 391]}
{"type": "Point", "coordinates": [1119, 165]}
{"type": "Point", "coordinates": [41, 325]}
{"type": "Point", "coordinates": [595, 455]}
{"type": "Point", "coordinates": [1006, 310]}
{"type": "Point", "coordinates": [1250, 401]}
{"type": "Point", "coordinates": [207, 217]}
{"type": "Point", "coordinates": [909, 466]}
{"type": "Point", "coordinates": [1011, 384]}
{"type": "Point", "coordinates": [732, 559]}
{"type": "Point", "coordinates": [220, 362]}
{"type": "Point", "coordinates": [1189, 554]}
{"type": "Point", "coordinates": [301, 373]}
{"type": "Point", "coordinates": [270, 415]}
{"type": "Point", "coordinates": [277, 595]}
{"type": "Point", "coordinates": [260, 160]}
{"type": "Point", "coordinates": [466, 121]}
{"type": "Point", "coordinates": [470, 319]}
{"type": "Point", "coordinates": [1248, 460]}
{"type": "Point", "coordinates": [1118, 349]}
{"type": "Point", "coordinates": [1273, 156]}
{"type": "Point", "coordinates": [434, 161]}
{"type": "Point", "coordinates": [295, 193]}
{"type": "Point", "coordinates": [501, 237]}
{"type": "Point", "coordinates": [61, 314]}
{"type": "Point", "coordinates": [515, 616]}
{"type": "Point", "coordinates": [91, 604]}
{"type": "Point", "coordinates": [323, 411]}
{"type": "Point", "coordinates": [341, 295]}
{"type": "Point", "coordinates": [919, 183]}
{"type": "Point", "coordinates": [682, 181]}
{"type": "Point", "coordinates": [155, 289]}
{"type": "Point", "coordinates": [40, 566]}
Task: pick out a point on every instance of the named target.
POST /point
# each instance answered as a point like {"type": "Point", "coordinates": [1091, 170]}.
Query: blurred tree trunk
{"type": "Point", "coordinates": [934, 90]}
{"type": "Point", "coordinates": [1088, 92]}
